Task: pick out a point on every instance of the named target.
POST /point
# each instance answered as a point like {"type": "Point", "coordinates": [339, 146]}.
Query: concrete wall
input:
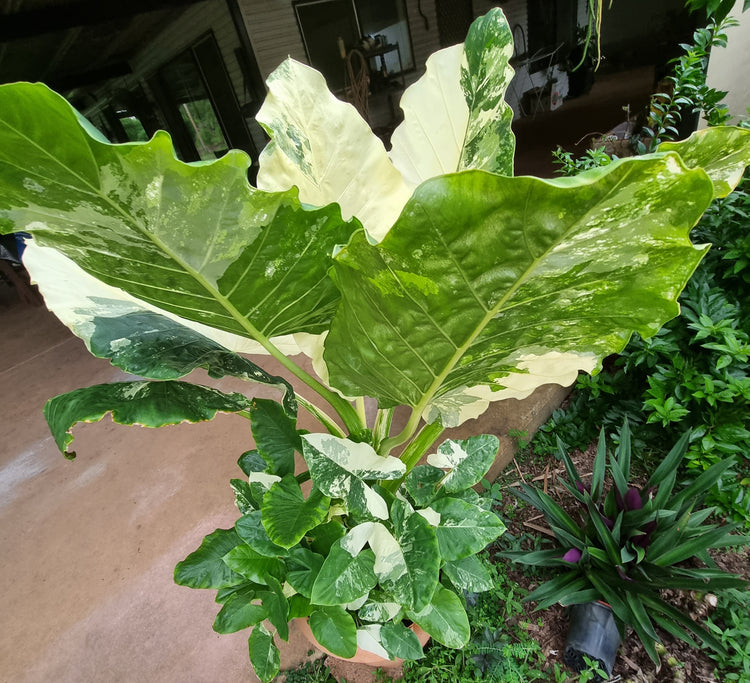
{"type": "Point", "coordinates": [728, 68]}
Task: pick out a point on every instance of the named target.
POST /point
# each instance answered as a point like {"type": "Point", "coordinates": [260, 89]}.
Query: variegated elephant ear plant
{"type": "Point", "coordinates": [428, 277]}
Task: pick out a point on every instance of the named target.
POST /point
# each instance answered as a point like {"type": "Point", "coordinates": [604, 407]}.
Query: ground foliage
{"type": "Point", "coordinates": [725, 613]}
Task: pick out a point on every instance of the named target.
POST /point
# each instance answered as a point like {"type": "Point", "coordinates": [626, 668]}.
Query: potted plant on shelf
{"type": "Point", "coordinates": [619, 546]}
{"type": "Point", "coordinates": [428, 277]}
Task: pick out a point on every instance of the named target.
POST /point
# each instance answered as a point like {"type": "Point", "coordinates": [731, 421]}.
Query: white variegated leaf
{"type": "Point", "coordinates": [77, 298]}
{"type": "Point", "coordinates": [368, 638]}
{"type": "Point", "coordinates": [312, 138]}
{"type": "Point", "coordinates": [339, 468]}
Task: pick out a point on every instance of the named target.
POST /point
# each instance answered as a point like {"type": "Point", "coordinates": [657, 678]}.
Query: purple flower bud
{"type": "Point", "coordinates": [582, 487]}
{"type": "Point", "coordinates": [623, 575]}
{"type": "Point", "coordinates": [618, 499]}
{"type": "Point", "coordinates": [633, 499]}
{"type": "Point", "coordinates": [642, 540]}
{"type": "Point", "coordinates": [572, 556]}
{"type": "Point", "coordinates": [650, 527]}
{"type": "Point", "coordinates": [607, 522]}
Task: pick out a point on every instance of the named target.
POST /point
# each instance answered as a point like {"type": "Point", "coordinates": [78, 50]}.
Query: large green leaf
{"type": "Point", "coordinates": [344, 577]}
{"type": "Point", "coordinates": [313, 137]}
{"type": "Point", "coordinates": [150, 404]}
{"type": "Point", "coordinates": [506, 282]}
{"type": "Point", "coordinates": [334, 628]}
{"type": "Point", "coordinates": [227, 255]}
{"type": "Point", "coordinates": [467, 460]}
{"type": "Point", "coordinates": [275, 435]}
{"type": "Point", "coordinates": [264, 655]}
{"type": "Point", "coordinates": [287, 515]}
{"type": "Point", "coordinates": [455, 116]}
{"type": "Point", "coordinates": [464, 528]}
{"type": "Point", "coordinates": [205, 567]}
{"type": "Point", "coordinates": [153, 346]}
{"type": "Point", "coordinates": [238, 612]}
{"type": "Point", "coordinates": [444, 619]}
{"type": "Point", "coordinates": [722, 151]}
{"type": "Point", "coordinates": [339, 468]}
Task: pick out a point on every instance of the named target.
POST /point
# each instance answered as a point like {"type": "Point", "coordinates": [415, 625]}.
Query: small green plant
{"type": "Point", "coordinates": [730, 623]}
{"type": "Point", "coordinates": [314, 671]}
{"type": "Point", "coordinates": [688, 92]}
{"type": "Point", "coordinates": [592, 671]}
{"type": "Point", "coordinates": [625, 544]}
{"type": "Point", "coordinates": [570, 165]}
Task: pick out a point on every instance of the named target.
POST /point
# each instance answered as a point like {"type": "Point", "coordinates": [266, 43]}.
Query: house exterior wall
{"type": "Point", "coordinates": [728, 67]}
{"type": "Point", "coordinates": [274, 33]}
{"type": "Point", "coordinates": [272, 28]}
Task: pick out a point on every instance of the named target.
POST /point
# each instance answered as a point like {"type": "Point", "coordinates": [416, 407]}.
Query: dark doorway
{"type": "Point", "coordinates": [453, 19]}
{"type": "Point", "coordinates": [322, 23]}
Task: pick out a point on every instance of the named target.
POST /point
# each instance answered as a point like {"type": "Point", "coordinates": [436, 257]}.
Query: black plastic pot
{"type": "Point", "coordinates": [593, 633]}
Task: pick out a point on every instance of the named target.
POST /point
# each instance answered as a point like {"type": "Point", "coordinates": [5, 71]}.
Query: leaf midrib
{"type": "Point", "coordinates": [246, 325]}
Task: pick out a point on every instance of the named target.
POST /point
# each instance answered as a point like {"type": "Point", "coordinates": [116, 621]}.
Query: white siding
{"type": "Point", "coordinates": [273, 31]}
{"type": "Point", "coordinates": [425, 39]}
{"type": "Point", "coordinates": [212, 15]}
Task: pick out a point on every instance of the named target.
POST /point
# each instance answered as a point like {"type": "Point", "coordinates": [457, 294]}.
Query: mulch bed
{"type": "Point", "coordinates": [682, 663]}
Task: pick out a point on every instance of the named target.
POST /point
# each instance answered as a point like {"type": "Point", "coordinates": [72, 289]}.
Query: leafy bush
{"type": "Point", "coordinates": [693, 374]}
{"type": "Point", "coordinates": [731, 625]}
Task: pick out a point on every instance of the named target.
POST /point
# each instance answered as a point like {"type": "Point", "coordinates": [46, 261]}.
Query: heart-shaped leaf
{"type": "Point", "coordinates": [334, 628]}
{"type": "Point", "coordinates": [287, 516]}
{"type": "Point", "coordinates": [464, 528]}
{"type": "Point", "coordinates": [467, 460]}
{"type": "Point", "coordinates": [205, 567]}
{"type": "Point", "coordinates": [400, 641]}
{"type": "Point", "coordinates": [444, 619]}
{"type": "Point", "coordinates": [344, 578]}
{"type": "Point", "coordinates": [469, 574]}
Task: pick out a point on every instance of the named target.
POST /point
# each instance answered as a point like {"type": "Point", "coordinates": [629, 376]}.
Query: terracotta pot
{"type": "Point", "coordinates": [362, 656]}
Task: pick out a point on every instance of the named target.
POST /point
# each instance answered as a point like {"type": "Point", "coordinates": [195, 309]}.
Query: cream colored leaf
{"type": "Point", "coordinates": [322, 146]}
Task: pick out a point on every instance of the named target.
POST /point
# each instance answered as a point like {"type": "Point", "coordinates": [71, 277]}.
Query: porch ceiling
{"type": "Point", "coordinates": [73, 43]}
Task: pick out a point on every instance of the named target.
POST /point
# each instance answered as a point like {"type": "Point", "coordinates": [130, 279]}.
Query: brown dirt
{"type": "Point", "coordinates": [633, 664]}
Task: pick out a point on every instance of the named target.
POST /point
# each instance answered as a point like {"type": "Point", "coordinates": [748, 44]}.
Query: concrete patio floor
{"type": "Point", "coordinates": [89, 546]}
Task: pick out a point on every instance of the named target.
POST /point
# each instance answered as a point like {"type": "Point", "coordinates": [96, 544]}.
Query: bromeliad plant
{"type": "Point", "coordinates": [625, 543]}
{"type": "Point", "coordinates": [428, 277]}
